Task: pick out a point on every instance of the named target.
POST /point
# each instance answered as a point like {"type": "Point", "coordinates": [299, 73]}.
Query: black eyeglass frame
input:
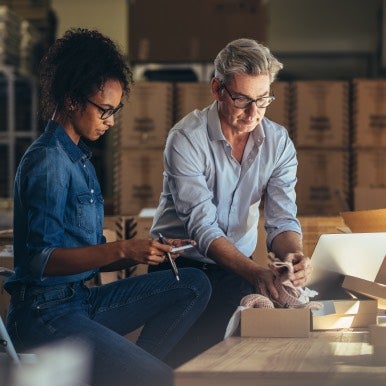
{"type": "Point", "coordinates": [268, 100]}
{"type": "Point", "coordinates": [106, 113]}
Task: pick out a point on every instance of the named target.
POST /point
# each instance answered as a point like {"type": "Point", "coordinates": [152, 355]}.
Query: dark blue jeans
{"type": "Point", "coordinates": [101, 316]}
{"type": "Point", "coordinates": [227, 291]}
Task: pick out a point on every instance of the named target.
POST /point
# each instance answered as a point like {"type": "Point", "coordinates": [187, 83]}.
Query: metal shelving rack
{"type": "Point", "coordinates": [18, 122]}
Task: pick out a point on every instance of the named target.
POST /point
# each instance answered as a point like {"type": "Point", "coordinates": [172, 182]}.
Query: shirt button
{"type": "Point", "coordinates": [91, 201]}
{"type": "Point", "coordinates": [92, 190]}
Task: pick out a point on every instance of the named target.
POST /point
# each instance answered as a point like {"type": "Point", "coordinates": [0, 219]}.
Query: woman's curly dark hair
{"type": "Point", "coordinates": [76, 66]}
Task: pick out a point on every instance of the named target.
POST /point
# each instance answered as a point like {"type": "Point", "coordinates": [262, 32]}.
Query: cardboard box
{"type": "Point", "coordinates": [191, 96]}
{"type": "Point", "coordinates": [144, 221]}
{"type": "Point", "coordinates": [365, 220]}
{"type": "Point", "coordinates": [321, 114]}
{"type": "Point", "coordinates": [279, 110]}
{"type": "Point", "coordinates": [314, 226]}
{"type": "Point", "coordinates": [123, 226]}
{"type": "Point", "coordinates": [378, 335]}
{"type": "Point", "coordinates": [369, 198]}
{"type": "Point", "coordinates": [369, 105]}
{"type": "Point", "coordinates": [277, 322]}
{"type": "Point", "coordinates": [336, 314]}
{"type": "Point", "coordinates": [368, 288]}
{"type": "Point", "coordinates": [323, 181]}
{"type": "Point", "coordinates": [369, 168]}
{"type": "Point", "coordinates": [138, 179]}
{"type": "Point", "coordinates": [147, 117]}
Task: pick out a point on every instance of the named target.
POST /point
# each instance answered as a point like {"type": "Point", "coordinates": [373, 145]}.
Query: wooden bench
{"type": "Point", "coordinates": [326, 358]}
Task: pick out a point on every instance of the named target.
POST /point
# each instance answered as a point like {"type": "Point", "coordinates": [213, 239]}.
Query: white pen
{"type": "Point", "coordinates": [169, 256]}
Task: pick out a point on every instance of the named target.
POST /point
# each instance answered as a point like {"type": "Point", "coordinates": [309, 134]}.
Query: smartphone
{"type": "Point", "coordinates": [182, 248]}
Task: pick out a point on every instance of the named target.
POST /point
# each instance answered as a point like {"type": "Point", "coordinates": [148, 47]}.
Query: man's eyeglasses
{"type": "Point", "coordinates": [106, 112]}
{"type": "Point", "coordinates": [243, 102]}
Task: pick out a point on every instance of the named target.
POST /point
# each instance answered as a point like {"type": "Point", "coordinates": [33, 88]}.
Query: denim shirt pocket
{"type": "Point", "coordinates": [87, 210]}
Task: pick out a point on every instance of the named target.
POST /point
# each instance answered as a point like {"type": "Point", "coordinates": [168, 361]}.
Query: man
{"type": "Point", "coordinates": [220, 163]}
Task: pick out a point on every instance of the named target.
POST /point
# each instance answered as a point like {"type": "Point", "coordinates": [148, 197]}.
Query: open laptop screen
{"type": "Point", "coordinates": [360, 255]}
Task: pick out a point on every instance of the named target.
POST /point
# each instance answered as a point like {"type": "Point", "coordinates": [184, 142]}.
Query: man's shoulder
{"type": "Point", "coordinates": [273, 127]}
{"type": "Point", "coordinates": [274, 131]}
{"type": "Point", "coordinates": [192, 124]}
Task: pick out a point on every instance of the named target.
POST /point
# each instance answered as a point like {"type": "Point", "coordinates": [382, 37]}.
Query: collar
{"type": "Point", "coordinates": [214, 127]}
{"type": "Point", "coordinates": [75, 152]}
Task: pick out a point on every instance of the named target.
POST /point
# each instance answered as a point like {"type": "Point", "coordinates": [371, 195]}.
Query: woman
{"type": "Point", "coordinates": [58, 241]}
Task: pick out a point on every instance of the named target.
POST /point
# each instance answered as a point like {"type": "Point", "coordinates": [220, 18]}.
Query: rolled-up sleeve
{"type": "Point", "coordinates": [280, 208]}
{"type": "Point", "coordinates": [44, 194]}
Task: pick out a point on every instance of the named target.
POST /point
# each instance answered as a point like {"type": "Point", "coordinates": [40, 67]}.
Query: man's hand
{"type": "Point", "coordinates": [302, 268]}
{"type": "Point", "coordinates": [264, 277]}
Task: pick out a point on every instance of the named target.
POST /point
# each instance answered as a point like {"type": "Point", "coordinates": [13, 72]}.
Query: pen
{"type": "Point", "coordinates": [169, 256]}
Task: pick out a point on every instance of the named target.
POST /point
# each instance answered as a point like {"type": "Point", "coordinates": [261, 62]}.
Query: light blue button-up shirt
{"type": "Point", "coordinates": [208, 194]}
{"type": "Point", "coordinates": [57, 203]}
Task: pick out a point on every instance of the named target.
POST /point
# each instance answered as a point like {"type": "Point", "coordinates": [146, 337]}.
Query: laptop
{"type": "Point", "coordinates": [360, 255]}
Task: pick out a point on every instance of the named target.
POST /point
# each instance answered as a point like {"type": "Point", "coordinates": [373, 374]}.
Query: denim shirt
{"type": "Point", "coordinates": [57, 204]}
{"type": "Point", "coordinates": [208, 194]}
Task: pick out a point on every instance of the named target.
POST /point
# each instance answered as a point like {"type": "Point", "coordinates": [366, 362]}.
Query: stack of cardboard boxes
{"type": "Point", "coordinates": [369, 143]}
{"type": "Point", "coordinates": [280, 110]}
{"type": "Point", "coordinates": [340, 140]}
{"type": "Point", "coordinates": [140, 136]}
{"type": "Point", "coordinates": [190, 96]}
{"type": "Point", "coordinates": [320, 130]}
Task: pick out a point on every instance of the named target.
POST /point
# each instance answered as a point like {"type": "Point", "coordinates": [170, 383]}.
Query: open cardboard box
{"type": "Point", "coordinates": [275, 322]}
{"type": "Point", "coordinates": [352, 312]}
{"type": "Point", "coordinates": [341, 308]}
{"type": "Point", "coordinates": [367, 273]}
{"type": "Point", "coordinates": [361, 221]}
{"type": "Point", "coordinates": [345, 313]}
{"type": "Point", "coordinates": [345, 262]}
{"type": "Point", "coordinates": [336, 256]}
{"type": "Point", "coordinates": [372, 290]}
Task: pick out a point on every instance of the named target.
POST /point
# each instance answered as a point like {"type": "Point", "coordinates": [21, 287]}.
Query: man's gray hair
{"type": "Point", "coordinates": [245, 56]}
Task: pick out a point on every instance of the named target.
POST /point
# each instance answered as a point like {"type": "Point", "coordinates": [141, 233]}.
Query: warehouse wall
{"type": "Point", "coordinates": [324, 25]}
{"type": "Point", "coordinates": [109, 17]}
{"type": "Point", "coordinates": [344, 27]}
{"type": "Point", "coordinates": [327, 38]}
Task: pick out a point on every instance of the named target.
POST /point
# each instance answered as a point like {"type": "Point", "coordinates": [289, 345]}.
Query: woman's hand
{"type": "Point", "coordinates": [151, 252]}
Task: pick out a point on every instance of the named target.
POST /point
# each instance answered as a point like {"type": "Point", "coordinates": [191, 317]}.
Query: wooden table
{"type": "Point", "coordinates": [326, 358]}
